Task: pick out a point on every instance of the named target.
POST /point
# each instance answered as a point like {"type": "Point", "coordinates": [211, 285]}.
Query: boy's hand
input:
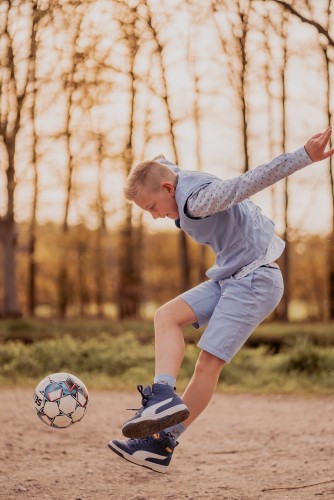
{"type": "Point", "coordinates": [315, 147]}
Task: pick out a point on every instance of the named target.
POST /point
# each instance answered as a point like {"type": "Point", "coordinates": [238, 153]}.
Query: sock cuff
{"type": "Point", "coordinates": [166, 379]}
{"type": "Point", "coordinates": [176, 430]}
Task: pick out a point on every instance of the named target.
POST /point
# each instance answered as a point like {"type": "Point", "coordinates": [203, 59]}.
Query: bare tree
{"type": "Point", "coordinates": [329, 111]}
{"type": "Point", "coordinates": [197, 115]}
{"type": "Point", "coordinates": [81, 245]}
{"type": "Point", "coordinates": [184, 257]}
{"type": "Point", "coordinates": [128, 287]}
{"type": "Point", "coordinates": [292, 10]}
{"type": "Point", "coordinates": [325, 47]}
{"type": "Point", "coordinates": [234, 46]}
{"type": "Point", "coordinates": [326, 42]}
{"type": "Point", "coordinates": [268, 80]}
{"type": "Point", "coordinates": [13, 92]}
{"type": "Point", "coordinates": [267, 30]}
{"type": "Point", "coordinates": [37, 16]}
{"type": "Point", "coordinates": [100, 231]}
{"type": "Point", "coordinates": [286, 255]}
{"type": "Point", "coordinates": [73, 18]}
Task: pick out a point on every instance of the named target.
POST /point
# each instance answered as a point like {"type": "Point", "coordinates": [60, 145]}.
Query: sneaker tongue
{"type": "Point", "coordinates": [147, 391]}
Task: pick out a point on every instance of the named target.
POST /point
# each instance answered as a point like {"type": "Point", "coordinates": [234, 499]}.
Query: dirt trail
{"type": "Point", "coordinates": [240, 448]}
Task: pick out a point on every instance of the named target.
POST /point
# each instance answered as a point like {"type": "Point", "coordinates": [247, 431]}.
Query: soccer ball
{"type": "Point", "coordinates": [61, 400]}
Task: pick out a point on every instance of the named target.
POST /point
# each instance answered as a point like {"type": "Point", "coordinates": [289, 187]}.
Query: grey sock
{"type": "Point", "coordinates": [175, 431]}
{"type": "Point", "coordinates": [165, 379]}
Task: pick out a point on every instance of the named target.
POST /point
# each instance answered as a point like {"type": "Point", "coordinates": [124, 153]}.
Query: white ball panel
{"type": "Point", "coordinates": [81, 399]}
{"type": "Point", "coordinates": [43, 383]}
{"type": "Point", "coordinates": [67, 404]}
{"type": "Point", "coordinates": [62, 421]}
{"type": "Point", "coordinates": [51, 409]}
{"type": "Point", "coordinates": [58, 377]}
{"type": "Point", "coordinates": [45, 419]}
{"type": "Point", "coordinates": [78, 414]}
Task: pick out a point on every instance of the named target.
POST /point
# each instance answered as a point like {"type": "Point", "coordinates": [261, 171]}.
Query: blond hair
{"type": "Point", "coordinates": [148, 175]}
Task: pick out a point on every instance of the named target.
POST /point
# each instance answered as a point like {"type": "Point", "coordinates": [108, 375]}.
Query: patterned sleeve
{"type": "Point", "coordinates": [220, 194]}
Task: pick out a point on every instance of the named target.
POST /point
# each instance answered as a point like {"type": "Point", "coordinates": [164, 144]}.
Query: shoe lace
{"type": "Point", "coordinates": [146, 395]}
{"type": "Point", "coordinates": [165, 440]}
{"type": "Point", "coordinates": [134, 443]}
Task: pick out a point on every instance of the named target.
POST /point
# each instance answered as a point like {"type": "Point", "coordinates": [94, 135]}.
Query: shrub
{"type": "Point", "coordinates": [308, 358]}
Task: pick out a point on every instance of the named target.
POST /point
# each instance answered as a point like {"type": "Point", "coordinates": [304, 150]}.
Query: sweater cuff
{"type": "Point", "coordinates": [304, 157]}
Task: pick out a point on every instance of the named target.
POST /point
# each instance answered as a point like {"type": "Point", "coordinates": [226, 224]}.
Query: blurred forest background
{"type": "Point", "coordinates": [88, 88]}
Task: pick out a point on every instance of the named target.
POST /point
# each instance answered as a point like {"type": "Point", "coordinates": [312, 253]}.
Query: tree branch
{"type": "Point", "coordinates": [304, 19]}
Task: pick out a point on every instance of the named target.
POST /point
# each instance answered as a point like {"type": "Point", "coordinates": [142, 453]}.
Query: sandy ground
{"type": "Point", "coordinates": [242, 447]}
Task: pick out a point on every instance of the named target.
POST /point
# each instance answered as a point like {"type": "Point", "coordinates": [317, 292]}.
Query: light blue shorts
{"type": "Point", "coordinates": [233, 308]}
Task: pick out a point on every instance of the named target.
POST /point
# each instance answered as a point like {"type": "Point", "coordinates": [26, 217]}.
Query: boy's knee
{"type": "Point", "coordinates": [207, 361]}
{"type": "Point", "coordinates": [175, 312]}
{"type": "Point", "coordinates": [160, 314]}
{"type": "Point", "coordinates": [166, 314]}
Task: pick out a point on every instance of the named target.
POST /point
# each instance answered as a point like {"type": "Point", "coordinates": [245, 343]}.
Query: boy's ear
{"type": "Point", "coordinates": [169, 186]}
{"type": "Point", "coordinates": [159, 157]}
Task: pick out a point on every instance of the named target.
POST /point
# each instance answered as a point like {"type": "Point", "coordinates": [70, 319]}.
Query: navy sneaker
{"type": "Point", "coordinates": [154, 452]}
{"type": "Point", "coordinates": [161, 409]}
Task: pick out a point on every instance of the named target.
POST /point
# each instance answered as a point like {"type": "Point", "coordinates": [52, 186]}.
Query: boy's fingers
{"type": "Point", "coordinates": [327, 133]}
{"type": "Point", "coordinates": [328, 154]}
{"type": "Point", "coordinates": [317, 135]}
{"type": "Point", "coordinates": [324, 137]}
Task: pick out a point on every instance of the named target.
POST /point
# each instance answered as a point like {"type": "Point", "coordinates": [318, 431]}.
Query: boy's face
{"type": "Point", "coordinates": [160, 203]}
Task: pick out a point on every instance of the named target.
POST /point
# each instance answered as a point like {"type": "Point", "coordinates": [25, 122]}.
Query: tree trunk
{"type": "Point", "coordinates": [285, 259]}
{"type": "Point", "coordinates": [82, 282]}
{"type": "Point", "coordinates": [99, 270]}
{"type": "Point", "coordinates": [243, 73]}
{"type": "Point", "coordinates": [183, 242]}
{"type": "Point", "coordinates": [31, 291]}
{"type": "Point", "coordinates": [70, 86]}
{"type": "Point", "coordinates": [201, 265]}
{"type": "Point", "coordinates": [237, 76]}
{"type": "Point", "coordinates": [330, 171]}
{"type": "Point", "coordinates": [10, 113]}
{"type": "Point", "coordinates": [11, 306]}
{"type": "Point", "coordinates": [129, 277]}
{"type": "Point", "coordinates": [128, 295]}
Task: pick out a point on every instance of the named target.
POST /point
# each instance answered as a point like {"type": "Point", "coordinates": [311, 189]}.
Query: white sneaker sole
{"type": "Point", "coordinates": [143, 463]}
{"type": "Point", "coordinates": [145, 426]}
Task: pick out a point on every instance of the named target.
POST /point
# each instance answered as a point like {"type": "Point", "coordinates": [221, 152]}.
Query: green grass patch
{"type": "Point", "coordinates": [302, 369]}
{"type": "Point", "coordinates": [32, 330]}
{"type": "Point", "coordinates": [276, 336]}
{"type": "Point", "coordinates": [121, 361]}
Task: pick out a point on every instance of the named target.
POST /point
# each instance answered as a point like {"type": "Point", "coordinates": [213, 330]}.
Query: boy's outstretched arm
{"type": "Point", "coordinates": [315, 147]}
{"type": "Point", "coordinates": [221, 194]}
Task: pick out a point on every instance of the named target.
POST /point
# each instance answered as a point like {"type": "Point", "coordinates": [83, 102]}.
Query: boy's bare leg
{"type": "Point", "coordinates": [169, 341]}
{"type": "Point", "coordinates": [161, 407]}
{"type": "Point", "coordinates": [202, 385]}
{"type": "Point", "coordinates": [169, 353]}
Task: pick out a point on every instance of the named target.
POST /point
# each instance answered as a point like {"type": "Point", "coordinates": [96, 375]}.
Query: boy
{"type": "Point", "coordinates": [245, 285]}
